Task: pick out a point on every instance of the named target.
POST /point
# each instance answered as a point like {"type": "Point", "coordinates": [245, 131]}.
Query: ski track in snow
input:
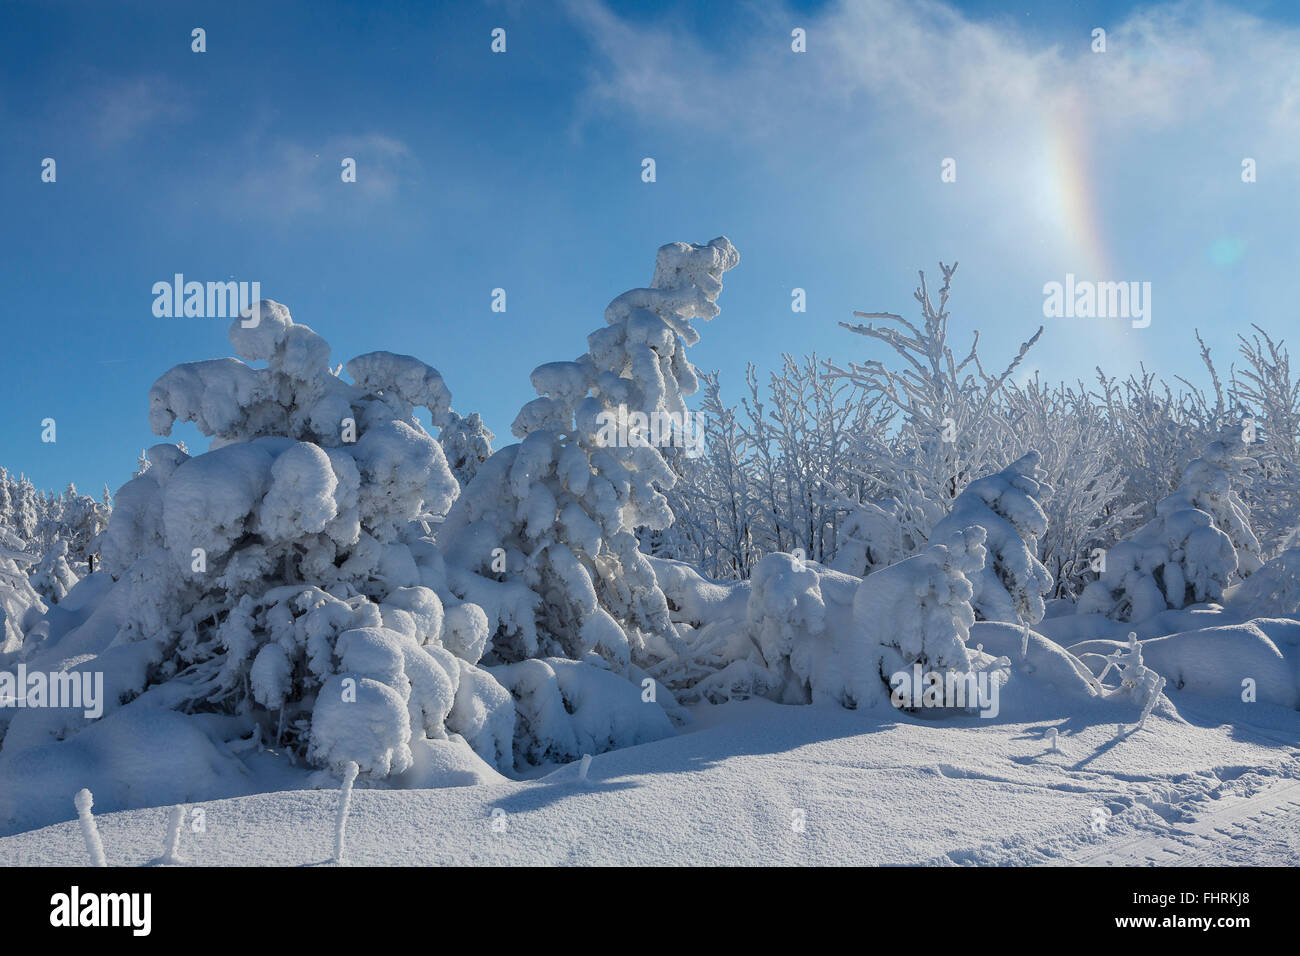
{"type": "Point", "coordinates": [1258, 830]}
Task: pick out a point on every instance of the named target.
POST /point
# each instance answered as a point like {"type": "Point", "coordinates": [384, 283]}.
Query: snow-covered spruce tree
{"type": "Point", "coordinates": [467, 443]}
{"type": "Point", "coordinates": [20, 507]}
{"type": "Point", "coordinates": [547, 526]}
{"type": "Point", "coordinates": [918, 611]}
{"type": "Point", "coordinates": [54, 577]}
{"type": "Point", "coordinates": [1214, 484]}
{"type": "Point", "coordinates": [1182, 556]}
{"type": "Point", "coordinates": [871, 536]}
{"type": "Point", "coordinates": [286, 575]}
{"type": "Point", "coordinates": [20, 604]}
{"type": "Point", "coordinates": [1008, 506]}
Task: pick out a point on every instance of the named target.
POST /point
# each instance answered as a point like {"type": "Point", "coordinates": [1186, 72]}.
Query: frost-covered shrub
{"type": "Point", "coordinates": [802, 619]}
{"type": "Point", "coordinates": [546, 528]}
{"type": "Point", "coordinates": [1137, 681]}
{"type": "Point", "coordinates": [1008, 506]}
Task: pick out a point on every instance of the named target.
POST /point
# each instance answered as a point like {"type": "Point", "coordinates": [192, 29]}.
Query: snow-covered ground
{"type": "Point", "coordinates": [733, 788]}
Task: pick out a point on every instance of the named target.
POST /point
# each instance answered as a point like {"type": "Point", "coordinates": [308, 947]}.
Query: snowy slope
{"type": "Point", "coordinates": [874, 791]}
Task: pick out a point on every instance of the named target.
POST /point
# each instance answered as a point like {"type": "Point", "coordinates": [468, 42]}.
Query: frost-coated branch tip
{"type": "Point", "coordinates": [175, 820]}
{"type": "Point", "coordinates": [83, 801]}
{"type": "Point", "coordinates": [345, 804]}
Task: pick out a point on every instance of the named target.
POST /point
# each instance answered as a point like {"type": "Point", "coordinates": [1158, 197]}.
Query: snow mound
{"type": "Point", "coordinates": [135, 757]}
{"type": "Point", "coordinates": [569, 708]}
{"type": "Point", "coordinates": [1260, 656]}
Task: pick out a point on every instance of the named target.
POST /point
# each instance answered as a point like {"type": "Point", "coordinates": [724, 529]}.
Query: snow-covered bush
{"type": "Point", "coordinates": [719, 659]}
{"type": "Point", "coordinates": [799, 633]}
{"type": "Point", "coordinates": [1008, 506]}
{"type": "Point", "coordinates": [1036, 658]}
{"type": "Point", "coordinates": [546, 528]}
{"type": "Point", "coordinates": [1174, 560]}
{"type": "Point", "coordinates": [787, 634]}
{"type": "Point", "coordinates": [809, 634]}
{"type": "Point", "coordinates": [800, 616]}
{"type": "Point", "coordinates": [1262, 655]}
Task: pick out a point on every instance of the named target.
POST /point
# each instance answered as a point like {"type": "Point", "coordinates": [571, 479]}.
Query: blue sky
{"type": "Point", "coordinates": [522, 170]}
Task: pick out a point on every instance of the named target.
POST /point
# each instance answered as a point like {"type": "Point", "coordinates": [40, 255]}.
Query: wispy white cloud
{"type": "Point", "coordinates": [118, 110]}
{"type": "Point", "coordinates": [286, 177]}
{"type": "Point", "coordinates": [1169, 65]}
